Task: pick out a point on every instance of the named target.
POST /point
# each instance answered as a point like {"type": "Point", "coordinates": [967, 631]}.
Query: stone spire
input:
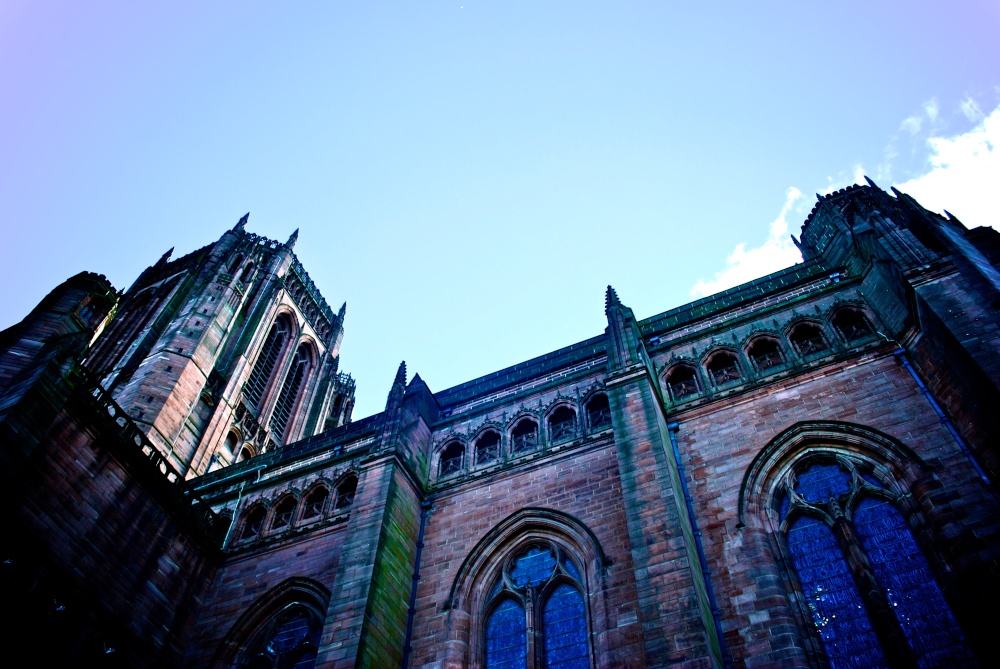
{"type": "Point", "coordinates": [291, 240]}
{"type": "Point", "coordinates": [242, 223]}
{"type": "Point", "coordinates": [342, 312]}
{"type": "Point", "coordinates": [165, 257]}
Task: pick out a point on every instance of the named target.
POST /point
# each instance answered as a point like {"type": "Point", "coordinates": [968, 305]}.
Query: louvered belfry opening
{"type": "Point", "coordinates": [264, 368]}
{"type": "Point", "coordinates": [290, 391]}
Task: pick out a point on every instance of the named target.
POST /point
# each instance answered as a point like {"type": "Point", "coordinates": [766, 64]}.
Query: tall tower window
{"type": "Point", "coordinates": [290, 391]}
{"type": "Point", "coordinates": [264, 367]}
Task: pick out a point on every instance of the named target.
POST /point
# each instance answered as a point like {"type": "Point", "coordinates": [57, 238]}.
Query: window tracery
{"type": "Point", "coordinates": [599, 412]}
{"type": "Point", "coordinates": [487, 448]}
{"type": "Point", "coordinates": [524, 436]}
{"type": "Point", "coordinates": [808, 339]}
{"type": "Point", "coordinates": [852, 325]}
{"type": "Point", "coordinates": [290, 390]}
{"type": "Point", "coordinates": [869, 589]}
{"type": "Point", "coordinates": [281, 630]}
{"type": "Point", "coordinates": [452, 458]}
{"type": "Point", "coordinates": [263, 368]}
{"type": "Point", "coordinates": [536, 614]}
{"type": "Point", "coordinates": [346, 492]}
{"type": "Point", "coordinates": [314, 503]}
{"type": "Point", "coordinates": [283, 513]}
{"type": "Point", "coordinates": [682, 382]}
{"type": "Point", "coordinates": [765, 353]}
{"type": "Point", "coordinates": [253, 523]}
{"type": "Point", "coordinates": [562, 424]}
{"type": "Point", "coordinates": [723, 368]}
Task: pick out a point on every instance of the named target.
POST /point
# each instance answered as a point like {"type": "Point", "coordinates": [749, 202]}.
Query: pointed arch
{"type": "Point", "coordinates": [570, 556]}
{"type": "Point", "coordinates": [249, 634]}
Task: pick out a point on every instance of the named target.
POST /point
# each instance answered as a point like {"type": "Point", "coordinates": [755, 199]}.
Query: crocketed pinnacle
{"type": "Point", "coordinates": [401, 374]}
{"type": "Point", "coordinates": [240, 224]}
{"type": "Point", "coordinates": [611, 298]}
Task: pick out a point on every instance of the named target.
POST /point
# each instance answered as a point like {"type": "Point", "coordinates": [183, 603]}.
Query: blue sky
{"type": "Point", "coordinates": [469, 176]}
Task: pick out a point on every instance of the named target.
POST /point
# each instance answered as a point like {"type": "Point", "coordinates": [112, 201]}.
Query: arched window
{"type": "Point", "coordinates": [524, 436]}
{"type": "Point", "coordinates": [452, 458]}
{"type": "Point", "coordinates": [808, 339]}
{"type": "Point", "coordinates": [682, 382]}
{"type": "Point", "coordinates": [723, 368]}
{"type": "Point", "coordinates": [536, 614]}
{"type": "Point", "coordinates": [869, 589]}
{"type": "Point", "coordinates": [253, 523]}
{"type": "Point", "coordinates": [765, 354]}
{"type": "Point", "coordinates": [599, 412]}
{"type": "Point", "coordinates": [280, 630]}
{"type": "Point", "coordinates": [264, 367]}
{"type": "Point", "coordinates": [852, 325]}
{"type": "Point", "coordinates": [487, 448]}
{"type": "Point", "coordinates": [562, 424]}
{"type": "Point", "coordinates": [283, 513]}
{"type": "Point", "coordinates": [345, 493]}
{"type": "Point", "coordinates": [314, 503]}
{"type": "Point", "coordinates": [290, 391]}
{"type": "Point", "coordinates": [247, 274]}
{"type": "Point", "coordinates": [245, 454]}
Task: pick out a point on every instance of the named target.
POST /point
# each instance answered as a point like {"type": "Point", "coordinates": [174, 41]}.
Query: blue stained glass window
{"type": "Point", "coordinates": [571, 569]}
{"type": "Point", "coordinates": [836, 606]}
{"type": "Point", "coordinates": [533, 566]}
{"type": "Point", "coordinates": [870, 478]}
{"type": "Point", "coordinates": [783, 504]}
{"type": "Point", "coordinates": [821, 482]}
{"type": "Point", "coordinates": [289, 634]}
{"type": "Point", "coordinates": [506, 637]}
{"type": "Point", "coordinates": [565, 629]}
{"type": "Point", "coordinates": [909, 584]}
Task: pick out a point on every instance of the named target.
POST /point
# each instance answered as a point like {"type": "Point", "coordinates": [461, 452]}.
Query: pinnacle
{"type": "Point", "coordinates": [401, 374]}
{"type": "Point", "coordinates": [291, 240]}
{"type": "Point", "coordinates": [240, 224]}
{"type": "Point", "coordinates": [611, 298]}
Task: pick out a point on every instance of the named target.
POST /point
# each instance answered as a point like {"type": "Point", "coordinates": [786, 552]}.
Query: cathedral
{"type": "Point", "coordinates": [801, 471]}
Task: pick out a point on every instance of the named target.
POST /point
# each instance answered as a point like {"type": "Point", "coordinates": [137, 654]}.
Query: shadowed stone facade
{"type": "Point", "coordinates": [796, 472]}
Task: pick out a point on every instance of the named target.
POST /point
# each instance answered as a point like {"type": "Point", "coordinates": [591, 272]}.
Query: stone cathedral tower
{"type": "Point", "coordinates": [225, 353]}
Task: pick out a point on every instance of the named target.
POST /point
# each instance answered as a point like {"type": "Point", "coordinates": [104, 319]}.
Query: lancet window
{"type": "Point", "coordinates": [765, 354]}
{"type": "Point", "coordinates": [290, 391]}
{"type": "Point", "coordinates": [314, 503]}
{"type": "Point", "coordinates": [808, 339]}
{"type": "Point", "coordinates": [345, 492]}
{"type": "Point", "coordinates": [723, 369]}
{"type": "Point", "coordinates": [682, 382]}
{"type": "Point", "coordinates": [263, 369]}
{"type": "Point", "coordinates": [852, 325]}
{"type": "Point", "coordinates": [562, 424]}
{"type": "Point", "coordinates": [599, 412]}
{"type": "Point", "coordinates": [452, 458]}
{"type": "Point", "coordinates": [488, 448]}
{"type": "Point", "coordinates": [524, 436]}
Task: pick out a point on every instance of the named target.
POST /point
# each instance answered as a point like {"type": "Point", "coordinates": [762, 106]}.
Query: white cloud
{"type": "Point", "coordinates": [964, 175]}
{"type": "Point", "coordinates": [744, 264]}
{"type": "Point", "coordinates": [912, 124]}
{"type": "Point", "coordinates": [972, 110]}
{"type": "Point", "coordinates": [931, 109]}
